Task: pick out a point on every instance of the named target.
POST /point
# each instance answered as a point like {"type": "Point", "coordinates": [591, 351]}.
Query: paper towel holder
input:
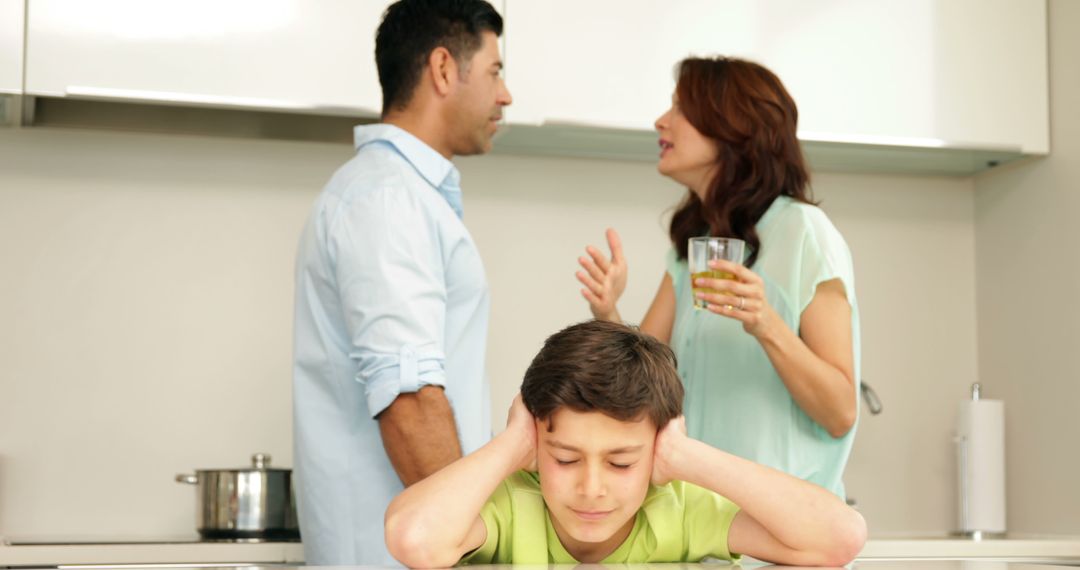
{"type": "Point", "coordinates": [976, 535]}
{"type": "Point", "coordinates": [961, 443]}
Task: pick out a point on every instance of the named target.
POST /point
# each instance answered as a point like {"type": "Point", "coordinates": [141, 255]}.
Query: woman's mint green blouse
{"type": "Point", "coordinates": [735, 400]}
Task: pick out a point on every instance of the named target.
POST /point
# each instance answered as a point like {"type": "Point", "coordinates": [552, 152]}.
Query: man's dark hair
{"type": "Point", "coordinates": [604, 367]}
{"type": "Point", "coordinates": [411, 29]}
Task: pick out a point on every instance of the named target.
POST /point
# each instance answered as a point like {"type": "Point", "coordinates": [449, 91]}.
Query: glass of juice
{"type": "Point", "coordinates": [702, 250]}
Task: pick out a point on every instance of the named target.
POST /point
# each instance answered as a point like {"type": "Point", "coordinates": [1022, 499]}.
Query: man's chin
{"type": "Point", "coordinates": [477, 146]}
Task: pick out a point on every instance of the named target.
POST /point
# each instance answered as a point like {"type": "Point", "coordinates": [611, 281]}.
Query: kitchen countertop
{"type": "Point", "coordinates": [141, 551]}
{"type": "Point", "coordinates": [963, 564]}
{"type": "Point", "coordinates": [1004, 554]}
{"type": "Point", "coordinates": [1012, 546]}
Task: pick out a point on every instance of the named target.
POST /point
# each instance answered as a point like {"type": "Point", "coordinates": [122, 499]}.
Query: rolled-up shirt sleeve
{"type": "Point", "coordinates": [393, 294]}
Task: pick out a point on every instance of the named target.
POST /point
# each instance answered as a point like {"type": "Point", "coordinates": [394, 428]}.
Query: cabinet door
{"type": "Point", "coordinates": [962, 73]}
{"type": "Point", "coordinates": [909, 72]}
{"type": "Point", "coordinates": [285, 54]}
{"type": "Point", "coordinates": [11, 46]}
{"type": "Point", "coordinates": [610, 63]}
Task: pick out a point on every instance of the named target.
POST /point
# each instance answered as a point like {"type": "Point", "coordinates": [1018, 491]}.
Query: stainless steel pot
{"type": "Point", "coordinates": [245, 504]}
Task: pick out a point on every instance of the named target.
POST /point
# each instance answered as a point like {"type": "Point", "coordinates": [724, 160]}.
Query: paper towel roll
{"type": "Point", "coordinates": [980, 430]}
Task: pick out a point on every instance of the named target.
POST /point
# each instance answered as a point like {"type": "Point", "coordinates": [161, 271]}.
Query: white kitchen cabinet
{"type": "Point", "coordinates": [289, 55]}
{"type": "Point", "coordinates": [11, 46]}
{"type": "Point", "coordinates": [905, 73]}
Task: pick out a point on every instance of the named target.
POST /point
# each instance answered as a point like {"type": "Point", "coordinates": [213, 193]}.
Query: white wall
{"type": "Point", "coordinates": [147, 303]}
{"type": "Point", "coordinates": [913, 243]}
{"type": "Point", "coordinates": [147, 295]}
{"type": "Point", "coordinates": [1029, 311]}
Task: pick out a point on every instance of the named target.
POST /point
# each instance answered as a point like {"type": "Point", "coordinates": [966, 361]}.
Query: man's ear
{"type": "Point", "coordinates": [442, 68]}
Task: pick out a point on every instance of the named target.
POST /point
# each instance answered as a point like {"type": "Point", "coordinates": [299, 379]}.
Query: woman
{"type": "Point", "coordinates": [771, 368]}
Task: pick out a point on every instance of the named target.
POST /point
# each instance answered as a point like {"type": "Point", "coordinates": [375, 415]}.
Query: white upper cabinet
{"type": "Point", "coordinates": [11, 46]}
{"type": "Point", "coordinates": [301, 55]}
{"type": "Point", "coordinates": [930, 73]}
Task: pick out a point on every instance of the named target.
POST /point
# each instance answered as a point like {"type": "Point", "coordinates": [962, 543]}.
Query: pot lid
{"type": "Point", "coordinates": [259, 462]}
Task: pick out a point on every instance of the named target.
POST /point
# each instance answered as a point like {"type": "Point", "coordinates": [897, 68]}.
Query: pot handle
{"type": "Point", "coordinates": [189, 479]}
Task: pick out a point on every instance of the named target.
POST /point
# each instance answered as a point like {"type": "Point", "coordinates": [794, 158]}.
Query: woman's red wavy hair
{"type": "Point", "coordinates": [746, 110]}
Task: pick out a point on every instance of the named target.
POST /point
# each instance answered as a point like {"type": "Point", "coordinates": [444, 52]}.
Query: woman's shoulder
{"type": "Point", "coordinates": [801, 217]}
{"type": "Point", "coordinates": [672, 256]}
{"type": "Point", "coordinates": [790, 210]}
{"type": "Point", "coordinates": [798, 230]}
{"type": "Point", "coordinates": [673, 264]}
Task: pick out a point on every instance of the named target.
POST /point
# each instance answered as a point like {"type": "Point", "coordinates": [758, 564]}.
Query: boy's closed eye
{"type": "Point", "coordinates": [615, 464]}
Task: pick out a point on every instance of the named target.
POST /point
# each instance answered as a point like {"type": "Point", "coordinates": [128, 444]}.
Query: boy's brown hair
{"type": "Point", "coordinates": [604, 367]}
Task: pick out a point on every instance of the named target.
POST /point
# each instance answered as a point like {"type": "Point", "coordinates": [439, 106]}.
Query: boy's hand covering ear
{"type": "Point", "coordinates": [522, 423]}
{"type": "Point", "coordinates": [665, 452]}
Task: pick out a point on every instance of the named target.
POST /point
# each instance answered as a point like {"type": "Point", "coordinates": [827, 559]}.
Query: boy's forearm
{"type": "Point", "coordinates": [435, 514]}
{"type": "Point", "coordinates": [792, 510]}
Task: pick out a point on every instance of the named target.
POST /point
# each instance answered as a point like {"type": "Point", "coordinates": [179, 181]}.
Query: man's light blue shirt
{"type": "Point", "coordinates": [390, 296]}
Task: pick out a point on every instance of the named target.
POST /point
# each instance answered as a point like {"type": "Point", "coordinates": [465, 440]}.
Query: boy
{"type": "Point", "coordinates": [616, 478]}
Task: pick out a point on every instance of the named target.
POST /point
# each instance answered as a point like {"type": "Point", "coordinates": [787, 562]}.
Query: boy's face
{"type": "Point", "coordinates": [594, 474]}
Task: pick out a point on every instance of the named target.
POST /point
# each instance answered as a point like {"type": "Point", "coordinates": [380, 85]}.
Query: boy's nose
{"type": "Point", "coordinates": [593, 483]}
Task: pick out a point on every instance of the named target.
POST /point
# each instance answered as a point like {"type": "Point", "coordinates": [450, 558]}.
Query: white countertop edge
{"type": "Point", "coordinates": [194, 553]}
{"type": "Point", "coordinates": [895, 548]}
{"type": "Point", "coordinates": [293, 553]}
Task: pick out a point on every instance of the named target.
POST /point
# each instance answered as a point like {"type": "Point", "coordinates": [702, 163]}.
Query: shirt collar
{"type": "Point", "coordinates": [432, 166]}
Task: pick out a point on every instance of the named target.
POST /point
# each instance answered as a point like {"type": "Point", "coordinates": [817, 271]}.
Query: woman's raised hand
{"type": "Point", "coordinates": [604, 279]}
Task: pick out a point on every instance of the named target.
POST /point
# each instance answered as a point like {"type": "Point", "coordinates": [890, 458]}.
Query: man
{"type": "Point", "coordinates": [391, 299]}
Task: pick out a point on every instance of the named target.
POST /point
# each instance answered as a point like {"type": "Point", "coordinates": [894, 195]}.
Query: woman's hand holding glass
{"type": "Point", "coordinates": [741, 298]}
{"type": "Point", "coordinates": [604, 279]}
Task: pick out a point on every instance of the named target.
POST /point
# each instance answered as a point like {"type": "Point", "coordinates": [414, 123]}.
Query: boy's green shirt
{"type": "Point", "coordinates": [677, 522]}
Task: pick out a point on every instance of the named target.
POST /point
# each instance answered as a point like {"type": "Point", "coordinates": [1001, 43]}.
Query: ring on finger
{"type": "Point", "coordinates": [742, 302]}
